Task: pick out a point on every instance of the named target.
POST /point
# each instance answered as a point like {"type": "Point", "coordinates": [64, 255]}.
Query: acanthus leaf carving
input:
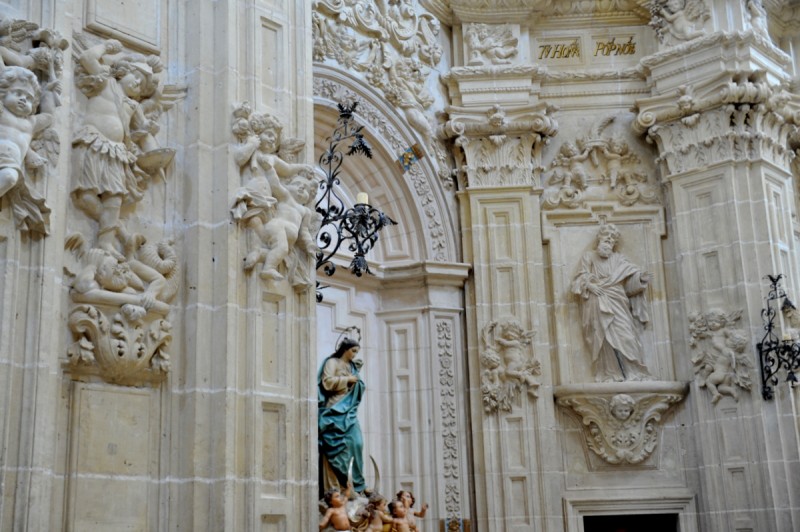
{"type": "Point", "coordinates": [721, 362]}
{"type": "Point", "coordinates": [121, 283]}
{"type": "Point", "coordinates": [507, 368]}
{"type": "Point", "coordinates": [31, 66]}
{"type": "Point", "coordinates": [621, 422]}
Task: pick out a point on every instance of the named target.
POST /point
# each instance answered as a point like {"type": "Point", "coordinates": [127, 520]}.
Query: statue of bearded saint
{"type": "Point", "coordinates": [613, 309]}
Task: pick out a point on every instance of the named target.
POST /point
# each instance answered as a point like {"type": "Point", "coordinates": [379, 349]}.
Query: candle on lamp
{"type": "Point", "coordinates": [362, 197]}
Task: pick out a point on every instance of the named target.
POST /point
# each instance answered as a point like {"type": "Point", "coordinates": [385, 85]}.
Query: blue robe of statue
{"type": "Point", "coordinates": [340, 439]}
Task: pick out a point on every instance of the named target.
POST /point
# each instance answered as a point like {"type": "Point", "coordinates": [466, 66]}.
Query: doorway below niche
{"type": "Point", "coordinates": [631, 523]}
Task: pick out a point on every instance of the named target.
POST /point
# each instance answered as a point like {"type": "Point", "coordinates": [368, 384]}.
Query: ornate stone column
{"type": "Point", "coordinates": [500, 127]}
{"type": "Point", "coordinates": [723, 120]}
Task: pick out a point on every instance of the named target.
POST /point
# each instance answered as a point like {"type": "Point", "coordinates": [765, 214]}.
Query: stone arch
{"type": "Point", "coordinates": [433, 211]}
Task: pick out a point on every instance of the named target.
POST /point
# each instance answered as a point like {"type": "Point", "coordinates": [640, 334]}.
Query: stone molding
{"type": "Point", "coordinates": [621, 421]}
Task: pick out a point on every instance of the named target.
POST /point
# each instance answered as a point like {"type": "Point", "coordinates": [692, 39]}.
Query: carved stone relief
{"type": "Point", "coordinates": [121, 284]}
{"type": "Point", "coordinates": [274, 198]}
{"type": "Point", "coordinates": [621, 425]}
{"type": "Point", "coordinates": [611, 292]}
{"type": "Point", "coordinates": [676, 21]}
{"type": "Point", "coordinates": [607, 165]}
{"type": "Point", "coordinates": [452, 467]}
{"type": "Point", "coordinates": [507, 367]}
{"type": "Point", "coordinates": [722, 360]}
{"type": "Point", "coordinates": [493, 44]}
{"type": "Point", "coordinates": [31, 64]}
{"type": "Point", "coordinates": [392, 45]}
{"type": "Point", "coordinates": [758, 17]}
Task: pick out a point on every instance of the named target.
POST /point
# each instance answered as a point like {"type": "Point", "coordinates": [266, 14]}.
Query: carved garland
{"type": "Point", "coordinates": [452, 469]}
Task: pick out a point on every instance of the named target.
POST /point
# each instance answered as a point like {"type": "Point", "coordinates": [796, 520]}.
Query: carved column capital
{"type": "Point", "coordinates": [498, 149]}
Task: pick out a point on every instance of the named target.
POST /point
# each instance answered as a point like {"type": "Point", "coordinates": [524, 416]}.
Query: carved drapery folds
{"type": "Point", "coordinates": [621, 422]}
{"type": "Point", "coordinates": [121, 282]}
{"type": "Point", "coordinates": [507, 365]}
{"type": "Point", "coordinates": [721, 353]}
{"type": "Point", "coordinates": [31, 63]}
{"type": "Point", "coordinates": [497, 150]}
{"type": "Point", "coordinates": [273, 200]}
{"type": "Point", "coordinates": [611, 292]}
{"type": "Point", "coordinates": [393, 45]}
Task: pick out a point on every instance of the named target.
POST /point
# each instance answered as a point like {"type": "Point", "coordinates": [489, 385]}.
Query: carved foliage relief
{"type": "Point", "coordinates": [121, 282]}
{"type": "Point", "coordinates": [31, 65]}
{"type": "Point", "coordinates": [721, 358]}
{"type": "Point", "coordinates": [507, 364]}
{"type": "Point", "coordinates": [389, 42]}
{"type": "Point", "coordinates": [274, 197]}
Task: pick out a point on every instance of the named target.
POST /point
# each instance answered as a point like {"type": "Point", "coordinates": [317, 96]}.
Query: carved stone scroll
{"type": "Point", "coordinates": [621, 422]}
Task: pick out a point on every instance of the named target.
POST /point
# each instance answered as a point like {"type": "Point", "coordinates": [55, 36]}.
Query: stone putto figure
{"type": "Point", "coordinates": [507, 366]}
{"type": "Point", "coordinates": [676, 21]}
{"type": "Point", "coordinates": [495, 44]}
{"type": "Point", "coordinates": [274, 199]}
{"type": "Point", "coordinates": [613, 309]}
{"type": "Point", "coordinates": [115, 151]}
{"type": "Point", "coordinates": [721, 363]}
{"type": "Point", "coordinates": [31, 63]}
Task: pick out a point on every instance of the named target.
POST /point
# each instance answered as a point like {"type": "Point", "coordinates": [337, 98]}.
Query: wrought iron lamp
{"type": "Point", "coordinates": [776, 353]}
{"type": "Point", "coordinates": [358, 225]}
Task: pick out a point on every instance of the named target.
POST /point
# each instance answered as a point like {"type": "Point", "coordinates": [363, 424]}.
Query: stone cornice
{"type": "Point", "coordinates": [563, 11]}
{"type": "Point", "coordinates": [718, 39]}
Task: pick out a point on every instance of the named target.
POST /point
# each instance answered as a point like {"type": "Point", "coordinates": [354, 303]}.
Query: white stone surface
{"type": "Point", "coordinates": [539, 122]}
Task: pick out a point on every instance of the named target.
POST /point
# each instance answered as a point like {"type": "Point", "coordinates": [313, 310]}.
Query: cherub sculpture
{"type": "Point", "coordinates": [274, 200]}
{"type": "Point", "coordinates": [115, 150]}
{"type": "Point", "coordinates": [30, 69]}
{"type": "Point", "coordinates": [507, 368]}
{"type": "Point", "coordinates": [676, 21]}
{"type": "Point", "coordinates": [721, 363]}
{"type": "Point", "coordinates": [758, 17]}
{"type": "Point", "coordinates": [496, 44]}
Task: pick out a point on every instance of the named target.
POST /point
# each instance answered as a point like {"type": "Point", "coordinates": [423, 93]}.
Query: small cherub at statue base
{"type": "Point", "coordinates": [335, 516]}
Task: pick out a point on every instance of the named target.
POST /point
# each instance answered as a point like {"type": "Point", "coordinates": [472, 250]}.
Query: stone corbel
{"type": "Point", "coordinates": [621, 421]}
